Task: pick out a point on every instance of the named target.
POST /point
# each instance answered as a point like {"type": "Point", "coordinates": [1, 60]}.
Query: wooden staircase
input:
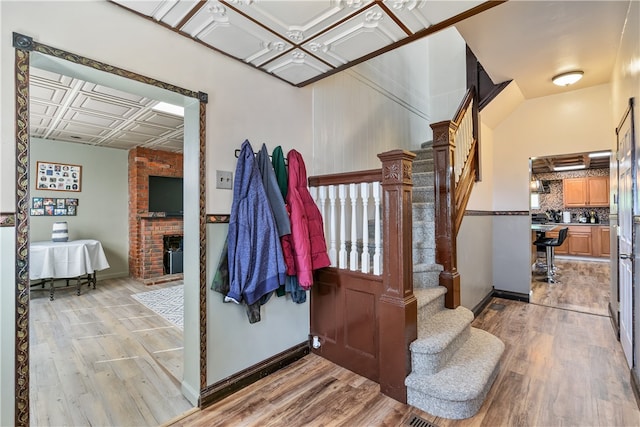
{"type": "Point", "coordinates": [453, 365]}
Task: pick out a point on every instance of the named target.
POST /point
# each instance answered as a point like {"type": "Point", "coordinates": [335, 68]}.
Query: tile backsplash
{"type": "Point", "coordinates": [553, 199]}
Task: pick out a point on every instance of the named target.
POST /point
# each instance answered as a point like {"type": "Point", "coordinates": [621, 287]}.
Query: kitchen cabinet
{"type": "Point", "coordinates": [583, 240]}
{"type": "Point", "coordinates": [602, 243]}
{"type": "Point", "coordinates": [580, 240]}
{"type": "Point", "coordinates": [589, 191]}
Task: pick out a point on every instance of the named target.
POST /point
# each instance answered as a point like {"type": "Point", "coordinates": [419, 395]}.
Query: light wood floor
{"type": "Point", "coordinates": [582, 286]}
{"type": "Point", "coordinates": [103, 359]}
{"type": "Point", "coordinates": [561, 367]}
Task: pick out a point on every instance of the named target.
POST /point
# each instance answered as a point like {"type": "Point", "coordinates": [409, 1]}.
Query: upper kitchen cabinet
{"type": "Point", "coordinates": [591, 191]}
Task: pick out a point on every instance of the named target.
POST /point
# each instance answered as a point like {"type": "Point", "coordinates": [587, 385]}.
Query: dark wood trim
{"type": "Point", "coordinates": [416, 36]}
{"type": "Point", "coordinates": [22, 208]}
{"type": "Point", "coordinates": [218, 218]}
{"type": "Point", "coordinates": [635, 386]}
{"type": "Point", "coordinates": [21, 351]}
{"type": "Point", "coordinates": [496, 213]}
{"type": "Point", "coordinates": [484, 87]}
{"type": "Point", "coordinates": [398, 321]}
{"type": "Point", "coordinates": [493, 93]}
{"type": "Point", "coordinates": [516, 296]}
{"type": "Point", "coordinates": [7, 219]}
{"type": "Point", "coordinates": [371, 175]}
{"type": "Point", "coordinates": [445, 210]}
{"type": "Point", "coordinates": [345, 317]}
{"type": "Point", "coordinates": [202, 229]}
{"type": "Point", "coordinates": [226, 387]}
{"type": "Point", "coordinates": [483, 303]}
{"type": "Point", "coordinates": [615, 321]}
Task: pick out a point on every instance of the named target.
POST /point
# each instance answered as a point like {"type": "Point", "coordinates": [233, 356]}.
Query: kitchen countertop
{"type": "Point", "coordinates": [604, 224]}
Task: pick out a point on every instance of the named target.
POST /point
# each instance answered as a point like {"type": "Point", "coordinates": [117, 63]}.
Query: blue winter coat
{"type": "Point", "coordinates": [256, 264]}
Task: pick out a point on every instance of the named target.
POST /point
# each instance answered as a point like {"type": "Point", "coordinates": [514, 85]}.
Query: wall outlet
{"type": "Point", "coordinates": [224, 180]}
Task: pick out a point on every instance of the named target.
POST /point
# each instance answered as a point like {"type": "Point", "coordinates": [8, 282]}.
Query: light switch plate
{"type": "Point", "coordinates": [224, 180]}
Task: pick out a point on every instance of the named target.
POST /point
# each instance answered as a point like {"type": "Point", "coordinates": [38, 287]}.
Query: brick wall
{"type": "Point", "coordinates": [147, 231]}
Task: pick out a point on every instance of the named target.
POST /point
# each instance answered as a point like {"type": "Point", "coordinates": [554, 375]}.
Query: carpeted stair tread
{"type": "Point", "coordinates": [417, 268]}
{"type": "Point", "coordinates": [427, 295]}
{"type": "Point", "coordinates": [441, 330]}
{"type": "Point", "coordinates": [466, 375]}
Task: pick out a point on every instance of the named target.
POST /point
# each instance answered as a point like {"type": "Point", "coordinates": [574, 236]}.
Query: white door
{"type": "Point", "coordinates": [626, 175]}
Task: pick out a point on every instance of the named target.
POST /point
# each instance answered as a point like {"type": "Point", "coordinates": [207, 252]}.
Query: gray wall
{"type": "Point", "coordinates": [475, 265]}
{"type": "Point", "coordinates": [102, 204]}
{"type": "Point", "coordinates": [512, 253]}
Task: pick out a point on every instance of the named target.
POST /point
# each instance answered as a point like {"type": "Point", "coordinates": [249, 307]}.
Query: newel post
{"type": "Point", "coordinates": [445, 209]}
{"type": "Point", "coordinates": [398, 311]}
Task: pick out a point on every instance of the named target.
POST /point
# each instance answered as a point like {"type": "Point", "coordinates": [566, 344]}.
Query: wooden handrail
{"type": "Point", "coordinates": [453, 185]}
{"type": "Point", "coordinates": [357, 177]}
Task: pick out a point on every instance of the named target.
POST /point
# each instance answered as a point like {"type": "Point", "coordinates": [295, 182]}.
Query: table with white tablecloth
{"type": "Point", "coordinates": [77, 260]}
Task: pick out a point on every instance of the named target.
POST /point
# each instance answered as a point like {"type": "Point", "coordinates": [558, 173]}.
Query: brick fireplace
{"type": "Point", "coordinates": [147, 231]}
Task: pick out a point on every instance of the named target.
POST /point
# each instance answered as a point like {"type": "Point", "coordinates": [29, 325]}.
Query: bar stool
{"type": "Point", "coordinates": [549, 244]}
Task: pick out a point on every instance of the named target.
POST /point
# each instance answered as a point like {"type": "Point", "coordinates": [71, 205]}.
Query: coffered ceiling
{"type": "Point", "coordinates": [303, 41]}
{"type": "Point", "coordinates": [64, 108]}
{"type": "Point", "coordinates": [547, 164]}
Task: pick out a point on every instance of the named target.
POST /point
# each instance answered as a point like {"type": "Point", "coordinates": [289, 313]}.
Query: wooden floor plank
{"type": "Point", "coordinates": [88, 353]}
{"type": "Point", "coordinates": [562, 366]}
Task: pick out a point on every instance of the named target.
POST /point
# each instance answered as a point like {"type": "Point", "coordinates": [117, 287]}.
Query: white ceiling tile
{"type": "Point", "coordinates": [147, 7]}
{"type": "Point", "coordinates": [97, 105]}
{"type": "Point", "coordinates": [222, 28]}
{"type": "Point", "coordinates": [165, 120]}
{"type": "Point", "coordinates": [365, 33]}
{"type": "Point", "coordinates": [297, 67]}
{"type": "Point", "coordinates": [147, 129]}
{"type": "Point", "coordinates": [96, 120]}
{"type": "Point", "coordinates": [173, 11]}
{"type": "Point", "coordinates": [297, 21]}
{"type": "Point", "coordinates": [115, 94]}
{"type": "Point", "coordinates": [411, 13]}
{"type": "Point", "coordinates": [439, 10]}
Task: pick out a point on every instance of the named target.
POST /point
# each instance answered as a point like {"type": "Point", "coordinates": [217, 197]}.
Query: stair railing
{"type": "Point", "coordinates": [350, 204]}
{"type": "Point", "coordinates": [362, 313]}
{"type": "Point", "coordinates": [455, 162]}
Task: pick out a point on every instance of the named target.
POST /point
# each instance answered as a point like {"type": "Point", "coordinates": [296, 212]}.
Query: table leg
{"type": "Point", "coordinates": [51, 297]}
{"type": "Point", "coordinates": [78, 285]}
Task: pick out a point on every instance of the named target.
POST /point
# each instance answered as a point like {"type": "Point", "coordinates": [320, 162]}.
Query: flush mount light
{"type": "Point", "coordinates": [568, 168]}
{"type": "Point", "coordinates": [169, 109]}
{"type": "Point", "coordinates": [566, 79]}
{"type": "Point", "coordinates": [600, 154]}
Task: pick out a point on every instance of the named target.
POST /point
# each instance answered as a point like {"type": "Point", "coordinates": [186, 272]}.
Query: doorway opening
{"type": "Point", "coordinates": [30, 53]}
{"type": "Point", "coordinates": [571, 192]}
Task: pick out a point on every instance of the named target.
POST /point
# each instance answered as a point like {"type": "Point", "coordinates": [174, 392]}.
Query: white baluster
{"type": "Point", "coordinates": [364, 193]}
{"type": "Point", "coordinates": [353, 255]}
{"type": "Point", "coordinates": [322, 198]}
{"type": "Point", "coordinates": [313, 191]}
{"type": "Point", "coordinates": [342, 255]}
{"type": "Point", "coordinates": [333, 252]}
{"type": "Point", "coordinates": [377, 261]}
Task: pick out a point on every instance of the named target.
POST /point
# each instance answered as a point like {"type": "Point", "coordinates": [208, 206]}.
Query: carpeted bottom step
{"type": "Point", "coordinates": [459, 388]}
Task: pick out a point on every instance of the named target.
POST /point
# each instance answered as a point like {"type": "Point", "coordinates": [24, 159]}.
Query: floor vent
{"type": "Point", "coordinates": [416, 421]}
{"type": "Point", "coordinates": [497, 307]}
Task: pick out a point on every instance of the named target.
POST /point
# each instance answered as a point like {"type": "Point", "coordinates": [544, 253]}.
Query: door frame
{"type": "Point", "coordinates": [24, 45]}
{"type": "Point", "coordinates": [627, 126]}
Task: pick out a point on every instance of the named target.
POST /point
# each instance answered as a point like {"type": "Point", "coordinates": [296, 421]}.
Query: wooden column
{"type": "Point", "coordinates": [398, 316]}
{"type": "Point", "coordinates": [445, 209]}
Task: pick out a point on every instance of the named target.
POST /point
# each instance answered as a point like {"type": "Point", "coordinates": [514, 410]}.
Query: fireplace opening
{"type": "Point", "coordinates": [173, 246]}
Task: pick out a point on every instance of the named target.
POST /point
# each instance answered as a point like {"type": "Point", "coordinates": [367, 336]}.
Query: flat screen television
{"type": "Point", "coordinates": [166, 195]}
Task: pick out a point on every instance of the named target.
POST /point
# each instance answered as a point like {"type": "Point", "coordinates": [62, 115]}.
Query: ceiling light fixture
{"type": "Point", "coordinates": [566, 79]}
{"type": "Point", "coordinates": [600, 154]}
{"type": "Point", "coordinates": [568, 168]}
{"type": "Point", "coordinates": [169, 109]}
